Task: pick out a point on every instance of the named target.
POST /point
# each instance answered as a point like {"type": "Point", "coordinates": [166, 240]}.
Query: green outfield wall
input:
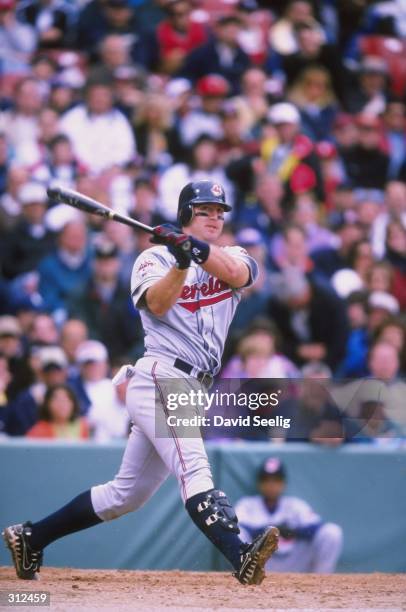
{"type": "Point", "coordinates": [363, 488]}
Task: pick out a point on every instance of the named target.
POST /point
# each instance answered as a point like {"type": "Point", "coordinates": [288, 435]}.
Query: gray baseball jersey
{"type": "Point", "coordinates": [195, 328]}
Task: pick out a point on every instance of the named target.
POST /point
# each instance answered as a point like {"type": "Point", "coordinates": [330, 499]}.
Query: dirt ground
{"type": "Point", "coordinates": [120, 590]}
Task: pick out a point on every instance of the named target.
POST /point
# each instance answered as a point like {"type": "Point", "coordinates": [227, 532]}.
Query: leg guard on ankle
{"type": "Point", "coordinates": [217, 507]}
{"type": "Point", "coordinates": [214, 515]}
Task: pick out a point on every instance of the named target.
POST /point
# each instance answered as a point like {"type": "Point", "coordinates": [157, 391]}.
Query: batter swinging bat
{"type": "Point", "coordinates": [78, 200]}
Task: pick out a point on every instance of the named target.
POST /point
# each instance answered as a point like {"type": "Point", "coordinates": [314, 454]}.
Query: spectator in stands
{"type": "Point", "coordinates": [258, 356]}
{"type": "Point", "coordinates": [51, 19]}
{"type": "Point", "coordinates": [394, 209]}
{"type": "Point", "coordinates": [312, 94]}
{"type": "Point", "coordinates": [100, 134]}
{"type": "Point", "coordinates": [4, 162]}
{"type": "Point", "coordinates": [252, 103]}
{"type": "Point", "coordinates": [114, 52]}
{"type": "Point", "coordinates": [62, 95]}
{"type": "Point", "coordinates": [203, 165]}
{"type": "Point", "coordinates": [98, 18]}
{"type": "Point", "coordinates": [395, 253]}
{"type": "Point", "coordinates": [372, 424]}
{"type": "Point", "coordinates": [73, 333]}
{"type": "Point", "coordinates": [30, 240]}
{"type": "Point", "coordinates": [66, 269]}
{"type": "Point", "coordinates": [105, 305]}
{"type": "Point", "coordinates": [12, 348]}
{"type": "Point", "coordinates": [21, 123]}
{"type": "Point", "coordinates": [394, 125]}
{"type": "Point", "coordinates": [106, 419]}
{"type": "Point", "coordinates": [290, 249]}
{"type": "Point", "coordinates": [152, 125]}
{"type": "Point", "coordinates": [33, 154]}
{"type": "Point", "coordinates": [368, 205]}
{"type": "Point", "coordinates": [361, 259]}
{"type": "Point", "coordinates": [354, 364]}
{"type": "Point", "coordinates": [306, 214]}
{"type": "Point", "coordinates": [344, 131]}
{"type": "Point", "coordinates": [327, 261]}
{"type": "Point", "coordinates": [62, 166]}
{"type": "Point", "coordinates": [150, 14]}
{"type": "Point", "coordinates": [177, 36]}
{"type": "Point", "coordinates": [212, 90]}
{"type": "Point", "coordinates": [17, 40]}
{"type": "Point", "coordinates": [380, 277]}
{"type": "Point", "coordinates": [282, 36]}
{"type": "Point", "coordinates": [369, 95]}
{"type": "Point", "coordinates": [311, 319]}
{"type": "Point", "coordinates": [306, 543]}
{"type": "Point", "coordinates": [313, 414]}
{"type": "Point", "coordinates": [234, 143]}
{"type": "Point", "coordinates": [393, 331]}
{"type": "Point", "coordinates": [313, 50]}
{"type": "Point", "coordinates": [254, 31]}
{"type": "Point", "coordinates": [263, 211]}
{"type": "Point", "coordinates": [43, 331]}
{"type": "Point", "coordinates": [366, 164]}
{"type": "Point", "coordinates": [386, 18]}
{"type": "Point", "coordinates": [5, 379]}
{"type": "Point", "coordinates": [383, 385]}
{"type": "Point", "coordinates": [59, 416]}
{"type": "Point", "coordinates": [381, 307]}
{"type": "Point", "coordinates": [50, 366]}
{"type": "Point", "coordinates": [222, 55]}
{"type": "Point", "coordinates": [290, 154]}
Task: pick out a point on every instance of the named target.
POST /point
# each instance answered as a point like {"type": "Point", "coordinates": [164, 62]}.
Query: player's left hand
{"type": "Point", "coordinates": [170, 235]}
{"type": "Point", "coordinates": [177, 243]}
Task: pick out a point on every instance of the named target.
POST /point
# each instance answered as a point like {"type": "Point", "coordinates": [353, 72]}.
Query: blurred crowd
{"type": "Point", "coordinates": [296, 107]}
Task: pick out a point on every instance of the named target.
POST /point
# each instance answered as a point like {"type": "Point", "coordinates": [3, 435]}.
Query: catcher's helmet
{"type": "Point", "coordinates": [199, 192]}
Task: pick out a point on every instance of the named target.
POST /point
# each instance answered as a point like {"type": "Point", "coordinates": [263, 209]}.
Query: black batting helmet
{"type": "Point", "coordinates": [199, 192]}
{"type": "Point", "coordinates": [272, 468]}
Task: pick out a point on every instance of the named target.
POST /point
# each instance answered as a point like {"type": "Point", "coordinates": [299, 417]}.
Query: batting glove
{"type": "Point", "coordinates": [178, 243]}
{"type": "Point", "coordinates": [199, 250]}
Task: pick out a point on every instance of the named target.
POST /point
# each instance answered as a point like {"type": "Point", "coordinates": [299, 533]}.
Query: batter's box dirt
{"type": "Point", "coordinates": [119, 590]}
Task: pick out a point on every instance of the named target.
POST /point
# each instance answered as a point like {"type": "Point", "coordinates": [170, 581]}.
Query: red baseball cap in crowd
{"type": "Point", "coordinates": [212, 85]}
{"type": "Point", "coordinates": [7, 5]}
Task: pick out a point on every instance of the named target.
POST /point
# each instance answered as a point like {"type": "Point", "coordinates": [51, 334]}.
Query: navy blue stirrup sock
{"type": "Point", "coordinates": [78, 514]}
{"type": "Point", "coordinates": [213, 514]}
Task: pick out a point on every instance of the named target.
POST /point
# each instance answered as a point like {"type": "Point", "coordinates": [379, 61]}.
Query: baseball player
{"type": "Point", "coordinates": [307, 544]}
{"type": "Point", "coordinates": [187, 290]}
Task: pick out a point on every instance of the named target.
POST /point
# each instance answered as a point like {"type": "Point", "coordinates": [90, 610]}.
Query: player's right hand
{"type": "Point", "coordinates": [169, 235]}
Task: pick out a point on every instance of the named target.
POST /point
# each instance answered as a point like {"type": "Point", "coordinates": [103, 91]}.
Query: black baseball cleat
{"type": "Point", "coordinates": [27, 562]}
{"type": "Point", "coordinates": [255, 556]}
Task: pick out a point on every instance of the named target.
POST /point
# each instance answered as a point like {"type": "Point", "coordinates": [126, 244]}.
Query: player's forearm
{"type": "Point", "coordinates": [161, 296]}
{"type": "Point", "coordinates": [228, 269]}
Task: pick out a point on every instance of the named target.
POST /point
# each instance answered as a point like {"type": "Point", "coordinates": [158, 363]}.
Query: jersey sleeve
{"type": "Point", "coordinates": [240, 253]}
{"type": "Point", "coordinates": [302, 514]}
{"type": "Point", "coordinates": [148, 268]}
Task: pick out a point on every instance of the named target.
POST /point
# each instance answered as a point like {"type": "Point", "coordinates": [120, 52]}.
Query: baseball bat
{"type": "Point", "coordinates": [88, 205]}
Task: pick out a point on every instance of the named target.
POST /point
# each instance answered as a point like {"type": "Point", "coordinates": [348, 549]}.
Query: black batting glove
{"type": "Point", "coordinates": [177, 243]}
{"type": "Point", "coordinates": [199, 250]}
{"type": "Point", "coordinates": [169, 235]}
{"type": "Point", "coordinates": [182, 257]}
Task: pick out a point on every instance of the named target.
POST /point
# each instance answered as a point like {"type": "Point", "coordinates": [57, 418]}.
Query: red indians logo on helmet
{"type": "Point", "coordinates": [217, 190]}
